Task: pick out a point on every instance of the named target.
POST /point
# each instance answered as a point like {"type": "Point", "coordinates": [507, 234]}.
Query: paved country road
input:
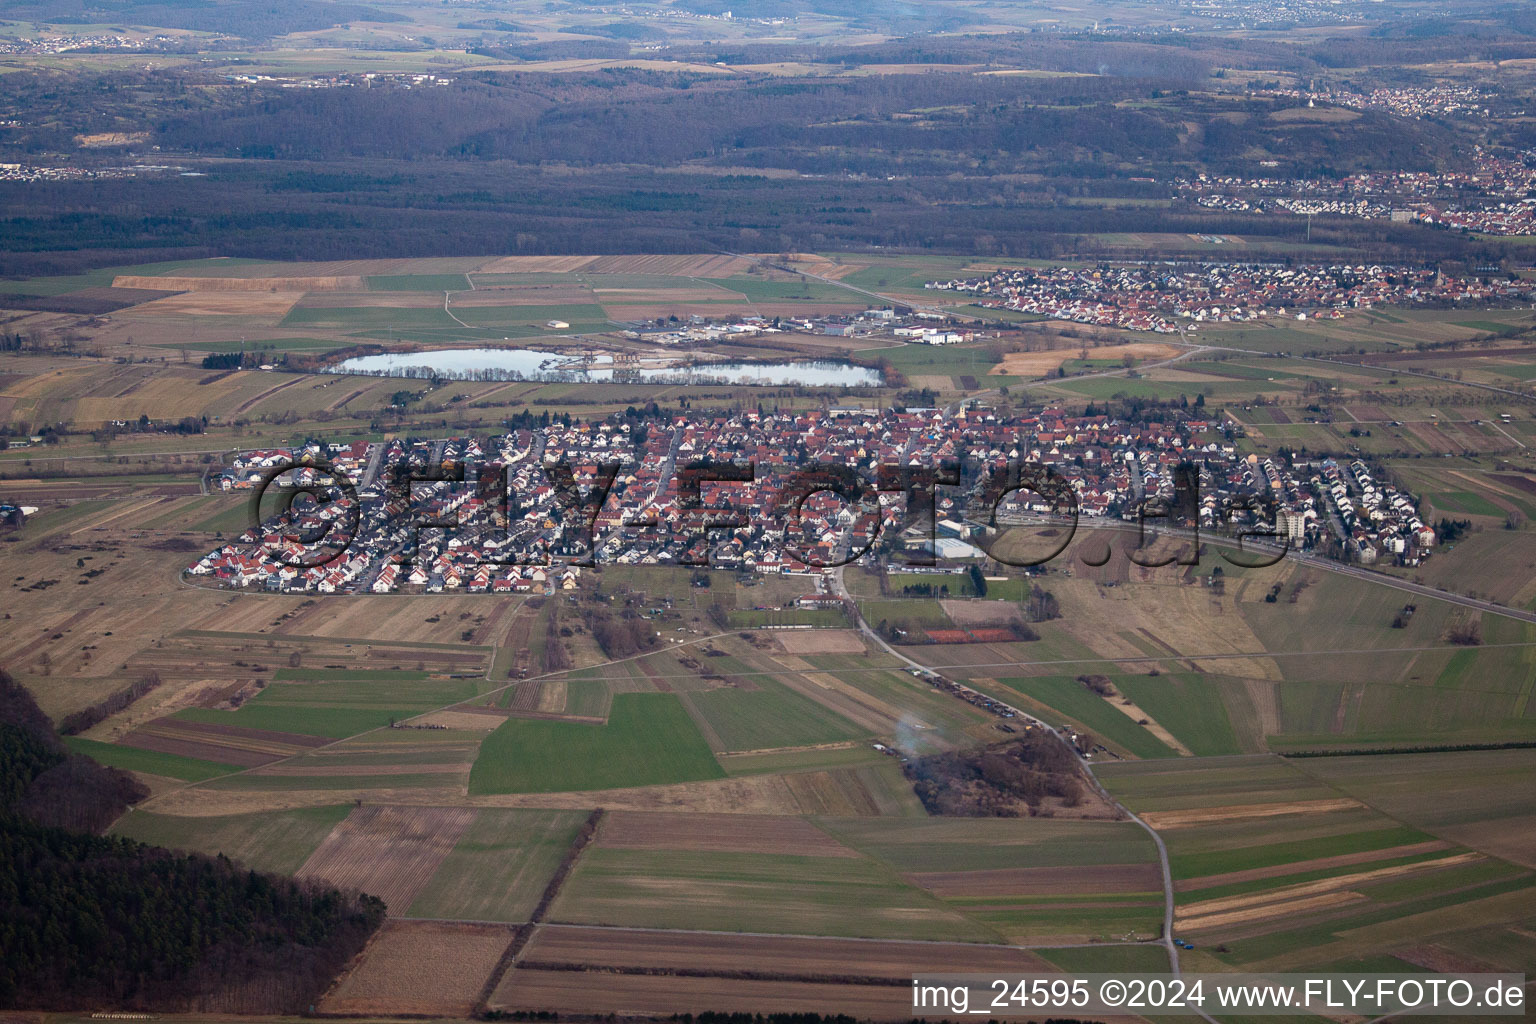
{"type": "Point", "coordinates": [1166, 941]}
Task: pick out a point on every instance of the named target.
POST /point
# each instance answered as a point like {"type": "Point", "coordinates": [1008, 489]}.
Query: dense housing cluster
{"type": "Point", "coordinates": [620, 493]}
{"type": "Point", "coordinates": [1439, 100]}
{"type": "Point", "coordinates": [29, 172]}
{"type": "Point", "coordinates": [1154, 297]}
{"type": "Point", "coordinates": [1493, 197]}
{"type": "Point", "coordinates": [82, 41]}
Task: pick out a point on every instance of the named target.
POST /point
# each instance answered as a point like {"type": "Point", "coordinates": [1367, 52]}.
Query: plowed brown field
{"type": "Point", "coordinates": [718, 833]}
{"type": "Point", "coordinates": [420, 968]}
{"type": "Point", "coordinates": [389, 852]}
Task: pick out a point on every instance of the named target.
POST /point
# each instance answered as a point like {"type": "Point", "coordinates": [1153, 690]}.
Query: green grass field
{"type": "Point", "coordinates": [1464, 503]}
{"type": "Point", "coordinates": [800, 760]}
{"type": "Point", "coordinates": [1189, 706]}
{"type": "Point", "coordinates": [449, 784]}
{"type": "Point", "coordinates": [340, 704]}
{"type": "Point", "coordinates": [984, 844]}
{"type": "Point", "coordinates": [1210, 782]}
{"type": "Point", "coordinates": [920, 612]}
{"type": "Point", "coordinates": [648, 740]}
{"type": "Point", "coordinates": [351, 681]}
{"type": "Point", "coordinates": [500, 866]}
{"type": "Point", "coordinates": [102, 277]}
{"type": "Point", "coordinates": [939, 360]}
{"type": "Point", "coordinates": [234, 517]}
{"type": "Point", "coordinates": [264, 345]}
{"type": "Point", "coordinates": [1129, 917]}
{"type": "Point", "coordinates": [758, 290]}
{"type": "Point", "coordinates": [1147, 959]}
{"type": "Point", "coordinates": [954, 848]}
{"type": "Point", "coordinates": [1108, 387]}
{"type": "Point", "coordinates": [368, 316]}
{"type": "Point", "coordinates": [269, 841]}
{"type": "Point", "coordinates": [333, 723]}
{"type": "Point", "coordinates": [958, 585]}
{"type": "Point", "coordinates": [587, 697]}
{"type": "Point", "coordinates": [769, 715]}
{"type": "Point", "coordinates": [578, 315]}
{"type": "Point", "coordinates": [749, 892]}
{"type": "Point", "coordinates": [152, 762]}
{"type": "Point", "coordinates": [418, 283]}
{"type": "Point", "coordinates": [1090, 711]}
{"type": "Point", "coordinates": [822, 618]}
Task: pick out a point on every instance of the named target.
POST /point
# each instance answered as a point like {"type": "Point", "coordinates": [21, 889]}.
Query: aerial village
{"type": "Point", "coordinates": [1439, 100]}
{"type": "Point", "coordinates": [511, 523]}
{"type": "Point", "coordinates": [1493, 197]}
{"type": "Point", "coordinates": [1169, 297]}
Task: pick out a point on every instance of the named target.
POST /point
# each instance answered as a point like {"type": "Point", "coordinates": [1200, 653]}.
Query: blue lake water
{"type": "Point", "coordinates": [528, 364]}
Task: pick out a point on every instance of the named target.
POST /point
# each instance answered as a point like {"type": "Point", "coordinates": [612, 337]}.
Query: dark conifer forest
{"type": "Point", "coordinates": [92, 922]}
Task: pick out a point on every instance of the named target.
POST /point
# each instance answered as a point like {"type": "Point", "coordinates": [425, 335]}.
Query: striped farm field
{"type": "Point", "coordinates": [755, 892]}
{"type": "Point", "coordinates": [603, 970]}
{"type": "Point", "coordinates": [500, 865]}
{"type": "Point", "coordinates": [571, 945]}
{"type": "Point", "coordinates": [150, 762]}
{"type": "Point", "coordinates": [189, 735]}
{"type": "Point", "coordinates": [278, 841]}
{"type": "Point", "coordinates": [1484, 799]}
{"type": "Point", "coordinates": [979, 880]}
{"type": "Point", "coordinates": [417, 282]}
{"type": "Point", "coordinates": [1276, 868]}
{"type": "Point", "coordinates": [720, 833]}
{"type": "Point", "coordinates": [420, 968]}
{"type": "Point", "coordinates": [1032, 881]}
{"type": "Point", "coordinates": [603, 994]}
{"type": "Point", "coordinates": [335, 705]}
{"type": "Point", "coordinates": [389, 852]}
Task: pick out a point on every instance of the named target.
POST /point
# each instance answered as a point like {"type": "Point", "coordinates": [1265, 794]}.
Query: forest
{"type": "Point", "coordinates": [1006, 780]}
{"type": "Point", "coordinates": [95, 922]}
{"type": "Point", "coordinates": [644, 161]}
{"type": "Point", "coordinates": [906, 125]}
{"type": "Point", "coordinates": [253, 20]}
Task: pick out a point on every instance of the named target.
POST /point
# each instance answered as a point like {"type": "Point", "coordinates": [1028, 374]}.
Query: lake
{"type": "Point", "coordinates": [528, 364]}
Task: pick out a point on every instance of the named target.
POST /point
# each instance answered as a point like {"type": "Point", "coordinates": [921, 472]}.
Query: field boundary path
{"type": "Point", "coordinates": [456, 320]}
{"type": "Point", "coordinates": [1162, 850]}
{"type": "Point", "coordinates": [526, 932]}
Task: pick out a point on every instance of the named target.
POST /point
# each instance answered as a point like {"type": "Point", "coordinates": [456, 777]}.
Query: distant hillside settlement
{"type": "Point", "coordinates": [1168, 297]}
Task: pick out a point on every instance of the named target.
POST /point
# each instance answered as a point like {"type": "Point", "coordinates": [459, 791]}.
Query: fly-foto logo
{"type": "Point", "coordinates": [817, 515]}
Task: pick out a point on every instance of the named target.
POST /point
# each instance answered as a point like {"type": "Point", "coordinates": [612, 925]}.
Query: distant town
{"type": "Point", "coordinates": [1168, 298]}
{"type": "Point", "coordinates": [84, 41]}
{"type": "Point", "coordinates": [1494, 197]}
{"type": "Point", "coordinates": [30, 173]}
